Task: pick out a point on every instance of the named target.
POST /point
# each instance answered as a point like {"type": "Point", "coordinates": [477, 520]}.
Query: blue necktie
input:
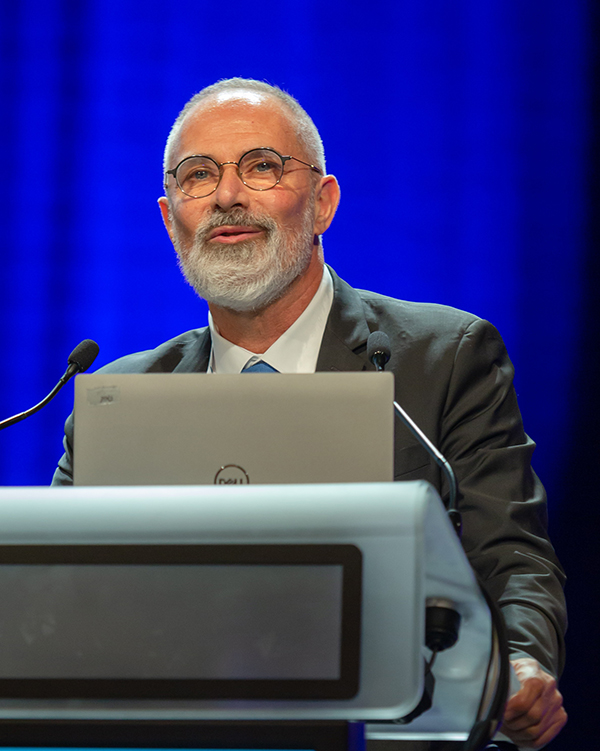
{"type": "Point", "coordinates": [260, 367]}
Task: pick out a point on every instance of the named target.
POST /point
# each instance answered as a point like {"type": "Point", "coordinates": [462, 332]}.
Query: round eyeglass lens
{"type": "Point", "coordinates": [261, 169]}
{"type": "Point", "coordinates": [198, 176]}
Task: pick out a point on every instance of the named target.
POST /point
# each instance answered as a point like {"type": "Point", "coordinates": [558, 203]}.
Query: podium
{"type": "Point", "coordinates": [203, 613]}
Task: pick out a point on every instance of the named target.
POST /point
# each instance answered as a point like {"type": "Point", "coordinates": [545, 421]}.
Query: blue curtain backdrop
{"type": "Point", "coordinates": [474, 118]}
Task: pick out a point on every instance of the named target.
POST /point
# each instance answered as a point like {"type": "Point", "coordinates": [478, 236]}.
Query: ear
{"type": "Point", "coordinates": [163, 205]}
{"type": "Point", "coordinates": [327, 198]}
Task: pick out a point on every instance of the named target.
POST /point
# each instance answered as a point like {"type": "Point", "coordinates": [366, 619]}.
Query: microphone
{"type": "Point", "coordinates": [79, 360]}
{"type": "Point", "coordinates": [379, 351]}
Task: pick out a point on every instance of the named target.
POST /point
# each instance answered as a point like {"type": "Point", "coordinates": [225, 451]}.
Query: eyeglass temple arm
{"type": "Point", "coordinates": [295, 158]}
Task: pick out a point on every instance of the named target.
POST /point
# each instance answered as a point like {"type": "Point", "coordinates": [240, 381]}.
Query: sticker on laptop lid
{"type": "Point", "coordinates": [103, 395]}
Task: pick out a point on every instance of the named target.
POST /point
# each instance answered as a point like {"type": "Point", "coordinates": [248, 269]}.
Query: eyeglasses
{"type": "Point", "coordinates": [259, 169]}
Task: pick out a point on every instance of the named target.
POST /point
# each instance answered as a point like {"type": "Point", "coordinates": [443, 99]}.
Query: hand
{"type": "Point", "coordinates": [534, 715]}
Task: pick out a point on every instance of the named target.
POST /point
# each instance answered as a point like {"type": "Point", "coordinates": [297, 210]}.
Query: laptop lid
{"type": "Point", "coordinates": [201, 429]}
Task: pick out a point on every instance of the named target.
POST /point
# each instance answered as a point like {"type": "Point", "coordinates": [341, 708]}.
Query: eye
{"type": "Point", "coordinates": [261, 169]}
{"type": "Point", "coordinates": [199, 174]}
{"type": "Point", "coordinates": [264, 166]}
{"type": "Point", "coordinates": [197, 171]}
{"type": "Point", "coordinates": [259, 165]}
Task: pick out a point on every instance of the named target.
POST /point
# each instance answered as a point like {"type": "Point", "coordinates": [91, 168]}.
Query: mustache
{"type": "Point", "coordinates": [237, 216]}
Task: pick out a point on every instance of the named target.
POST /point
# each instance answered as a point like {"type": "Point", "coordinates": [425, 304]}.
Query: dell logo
{"type": "Point", "coordinates": [232, 474]}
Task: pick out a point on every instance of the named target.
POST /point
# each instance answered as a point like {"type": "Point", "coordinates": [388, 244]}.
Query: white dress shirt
{"type": "Point", "coordinates": [296, 350]}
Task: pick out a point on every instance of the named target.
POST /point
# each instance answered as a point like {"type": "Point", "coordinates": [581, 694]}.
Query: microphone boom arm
{"type": "Point", "coordinates": [379, 353]}
{"type": "Point", "coordinates": [440, 460]}
{"type": "Point", "coordinates": [79, 360]}
{"type": "Point", "coordinates": [32, 410]}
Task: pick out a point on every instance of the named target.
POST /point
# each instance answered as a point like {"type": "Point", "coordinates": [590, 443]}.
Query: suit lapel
{"type": "Point", "coordinates": [196, 356]}
{"type": "Point", "coordinates": [345, 339]}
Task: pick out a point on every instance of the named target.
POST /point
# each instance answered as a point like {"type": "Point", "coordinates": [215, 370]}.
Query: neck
{"type": "Point", "coordinates": [257, 330]}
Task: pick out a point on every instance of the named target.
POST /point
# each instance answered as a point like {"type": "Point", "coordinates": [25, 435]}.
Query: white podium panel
{"type": "Point", "coordinates": [125, 552]}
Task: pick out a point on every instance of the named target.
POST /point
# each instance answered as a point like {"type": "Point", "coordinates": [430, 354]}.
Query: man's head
{"type": "Point", "coordinates": [242, 246]}
{"type": "Point", "coordinates": [306, 130]}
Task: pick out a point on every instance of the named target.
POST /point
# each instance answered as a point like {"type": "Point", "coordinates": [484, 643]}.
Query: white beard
{"type": "Point", "coordinates": [251, 274]}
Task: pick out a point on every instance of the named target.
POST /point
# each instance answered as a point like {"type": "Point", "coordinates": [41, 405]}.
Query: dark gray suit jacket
{"type": "Point", "coordinates": [454, 378]}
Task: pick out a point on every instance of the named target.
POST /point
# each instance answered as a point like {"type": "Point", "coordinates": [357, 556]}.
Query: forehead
{"type": "Point", "coordinates": [227, 125]}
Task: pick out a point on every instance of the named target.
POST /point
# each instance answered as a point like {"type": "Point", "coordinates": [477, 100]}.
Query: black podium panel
{"type": "Point", "coordinates": [180, 621]}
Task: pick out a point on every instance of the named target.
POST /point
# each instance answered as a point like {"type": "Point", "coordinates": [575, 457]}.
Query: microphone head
{"type": "Point", "coordinates": [84, 355]}
{"type": "Point", "coordinates": [378, 347]}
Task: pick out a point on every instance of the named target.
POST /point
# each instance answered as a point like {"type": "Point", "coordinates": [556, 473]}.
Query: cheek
{"type": "Point", "coordinates": [187, 217]}
{"type": "Point", "coordinates": [287, 208]}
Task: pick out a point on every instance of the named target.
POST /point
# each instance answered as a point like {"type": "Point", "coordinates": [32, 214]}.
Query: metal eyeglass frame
{"type": "Point", "coordinates": [220, 165]}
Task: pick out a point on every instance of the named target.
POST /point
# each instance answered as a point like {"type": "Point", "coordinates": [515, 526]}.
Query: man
{"type": "Point", "coordinates": [246, 201]}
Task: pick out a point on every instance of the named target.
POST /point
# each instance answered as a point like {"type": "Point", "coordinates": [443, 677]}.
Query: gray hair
{"type": "Point", "coordinates": [307, 133]}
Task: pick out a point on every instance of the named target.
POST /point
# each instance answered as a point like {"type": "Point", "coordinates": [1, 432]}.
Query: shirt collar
{"type": "Point", "coordinates": [296, 350]}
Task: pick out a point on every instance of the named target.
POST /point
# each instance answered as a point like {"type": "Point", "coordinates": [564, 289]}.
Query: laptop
{"type": "Point", "coordinates": [204, 429]}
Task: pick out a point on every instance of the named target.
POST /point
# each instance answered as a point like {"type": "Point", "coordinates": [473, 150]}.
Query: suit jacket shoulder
{"type": "Point", "coordinates": [187, 353]}
{"type": "Point", "coordinates": [415, 330]}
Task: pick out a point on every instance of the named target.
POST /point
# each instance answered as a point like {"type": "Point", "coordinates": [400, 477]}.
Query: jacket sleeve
{"type": "Point", "coordinates": [502, 501]}
{"type": "Point", "coordinates": [64, 472]}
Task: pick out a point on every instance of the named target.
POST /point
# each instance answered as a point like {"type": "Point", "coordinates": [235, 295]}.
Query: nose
{"type": "Point", "coordinates": [230, 191]}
